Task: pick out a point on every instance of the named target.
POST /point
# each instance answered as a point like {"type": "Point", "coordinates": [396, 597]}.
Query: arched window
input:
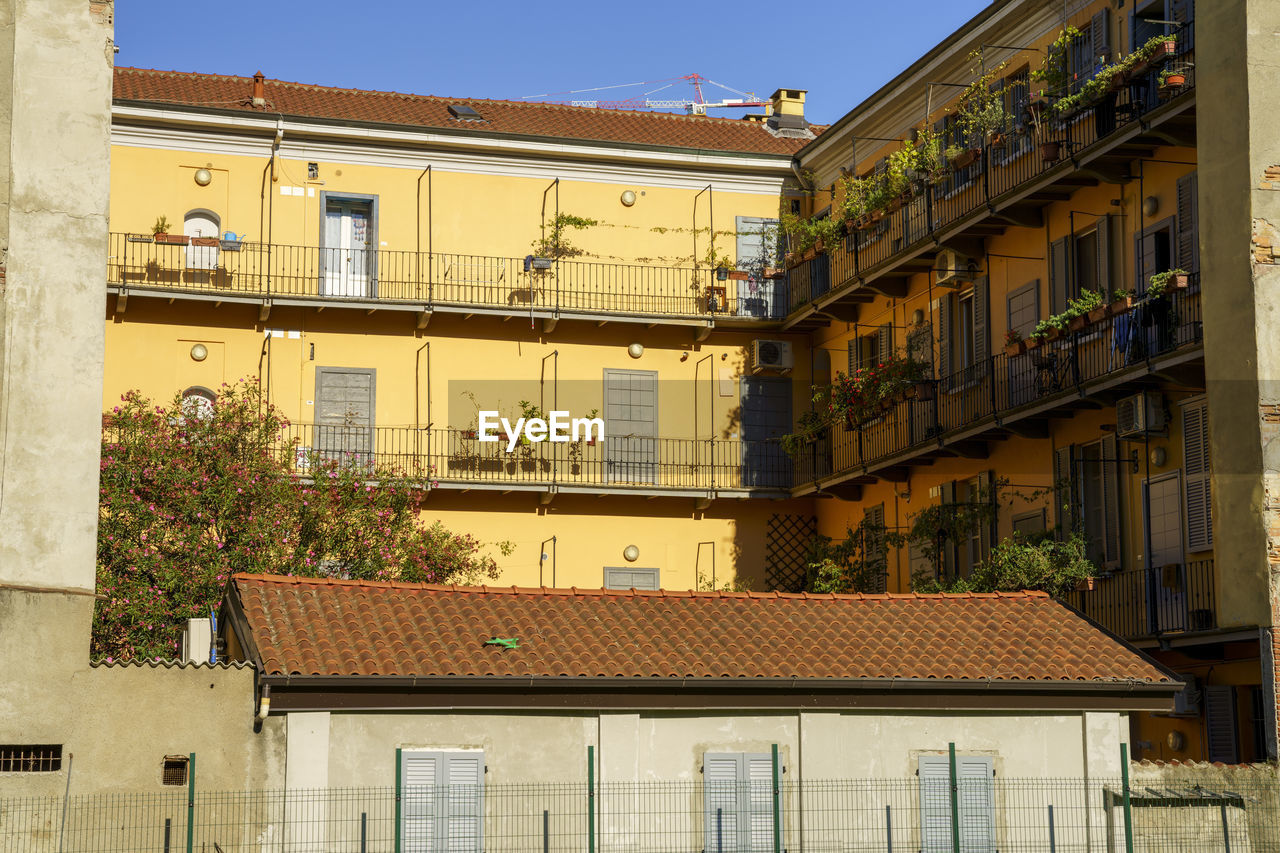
{"type": "Point", "coordinates": [203, 226]}
{"type": "Point", "coordinates": [197, 402]}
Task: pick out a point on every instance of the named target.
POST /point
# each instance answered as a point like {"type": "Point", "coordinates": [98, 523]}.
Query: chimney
{"type": "Point", "coordinates": [259, 90]}
{"type": "Point", "coordinates": [787, 109]}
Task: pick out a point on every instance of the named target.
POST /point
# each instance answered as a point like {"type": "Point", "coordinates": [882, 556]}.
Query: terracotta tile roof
{"type": "Point", "coordinates": [308, 626]}
{"type": "Point", "coordinates": [221, 92]}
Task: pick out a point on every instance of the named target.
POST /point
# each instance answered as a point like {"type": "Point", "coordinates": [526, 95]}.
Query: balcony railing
{"type": "Point", "coordinates": [1144, 603]}
{"type": "Point", "coordinates": [1006, 385]}
{"type": "Point", "coordinates": [452, 456]}
{"type": "Point", "coordinates": [1001, 171]}
{"type": "Point", "coordinates": [428, 280]}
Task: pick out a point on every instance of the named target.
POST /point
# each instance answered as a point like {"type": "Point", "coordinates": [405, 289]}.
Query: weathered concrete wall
{"type": "Point", "coordinates": [1238, 110]}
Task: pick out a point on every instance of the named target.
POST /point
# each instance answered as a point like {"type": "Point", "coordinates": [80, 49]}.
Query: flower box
{"type": "Point", "coordinates": [140, 238]}
{"type": "Point", "coordinates": [1164, 50]}
{"type": "Point", "coordinates": [1097, 315]}
{"type": "Point", "coordinates": [965, 158]}
{"type": "Point", "coordinates": [773, 273]}
{"type": "Point", "coordinates": [1015, 348]}
{"type": "Point", "coordinates": [1181, 281]}
{"type": "Point", "coordinates": [739, 275]}
{"type": "Point", "coordinates": [1120, 306]}
{"type": "Point", "coordinates": [174, 239]}
{"type": "Point", "coordinates": [1051, 151]}
{"type": "Point", "coordinates": [1075, 324]}
{"type": "Point", "coordinates": [205, 241]}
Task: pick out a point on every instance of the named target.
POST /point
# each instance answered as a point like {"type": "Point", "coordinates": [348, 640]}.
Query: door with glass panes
{"type": "Point", "coordinates": [349, 248]}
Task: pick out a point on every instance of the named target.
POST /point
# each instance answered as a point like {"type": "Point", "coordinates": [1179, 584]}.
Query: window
{"type": "Point", "coordinates": [30, 758]}
{"type": "Point", "coordinates": [443, 800]}
{"type": "Point", "coordinates": [1080, 261]}
{"type": "Point", "coordinates": [964, 332]}
{"type": "Point", "coordinates": [1196, 470]}
{"type": "Point", "coordinates": [174, 770]}
{"type": "Point", "coordinates": [965, 348]}
{"type": "Point", "coordinates": [739, 800]}
{"type": "Point", "coordinates": [975, 798]}
{"type": "Point", "coordinates": [1024, 309]}
{"type": "Point", "coordinates": [873, 546]}
{"type": "Point", "coordinates": [628, 578]}
{"type": "Point", "coordinates": [871, 349]}
{"type": "Point", "coordinates": [1088, 479]}
{"type": "Point", "coordinates": [1029, 525]}
{"type": "Point", "coordinates": [1153, 253]}
{"type": "Point", "coordinates": [197, 402]}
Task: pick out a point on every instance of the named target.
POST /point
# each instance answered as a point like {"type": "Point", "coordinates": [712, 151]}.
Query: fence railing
{"type": "Point", "coordinates": [1151, 602]}
{"type": "Point", "coordinates": [929, 813]}
{"type": "Point", "coordinates": [1024, 156]}
{"type": "Point", "coordinates": [1003, 384]}
{"type": "Point", "coordinates": [430, 279]}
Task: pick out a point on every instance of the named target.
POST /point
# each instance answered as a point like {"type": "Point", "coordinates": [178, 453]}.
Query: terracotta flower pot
{"type": "Point", "coordinates": [1120, 306]}
{"type": "Point", "coordinates": [965, 158]}
{"type": "Point", "coordinates": [1015, 348]}
{"type": "Point", "coordinates": [739, 275]}
{"type": "Point", "coordinates": [1097, 315]}
{"type": "Point", "coordinates": [1075, 324]}
{"type": "Point", "coordinates": [174, 239]}
{"type": "Point", "coordinates": [1175, 81]}
{"type": "Point", "coordinates": [1051, 152]}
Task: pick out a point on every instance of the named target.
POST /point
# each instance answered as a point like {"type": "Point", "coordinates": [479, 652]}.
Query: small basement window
{"type": "Point", "coordinates": [174, 771]}
{"type": "Point", "coordinates": [30, 758]}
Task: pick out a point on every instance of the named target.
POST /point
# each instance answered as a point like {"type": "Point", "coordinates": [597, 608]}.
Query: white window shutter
{"type": "Point", "coordinates": [720, 774]}
{"type": "Point", "coordinates": [1196, 471]}
{"type": "Point", "coordinates": [443, 801]}
{"type": "Point", "coordinates": [976, 798]}
{"type": "Point", "coordinates": [464, 827]}
{"type": "Point", "coordinates": [420, 778]}
{"type": "Point", "coordinates": [935, 804]}
{"type": "Point", "coordinates": [739, 801]}
{"type": "Point", "coordinates": [759, 770]}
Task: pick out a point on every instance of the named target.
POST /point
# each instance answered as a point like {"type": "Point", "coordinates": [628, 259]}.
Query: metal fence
{"type": "Point", "coordinates": [1152, 601]}
{"type": "Point", "coordinates": [1019, 161]}
{"type": "Point", "coordinates": [435, 279]}
{"type": "Point", "coordinates": [978, 815]}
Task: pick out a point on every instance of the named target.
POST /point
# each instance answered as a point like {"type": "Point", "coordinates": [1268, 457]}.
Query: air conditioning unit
{"type": "Point", "coordinates": [1186, 702]}
{"type": "Point", "coordinates": [1141, 414]}
{"type": "Point", "coordinates": [772, 355]}
{"type": "Point", "coordinates": [952, 269]}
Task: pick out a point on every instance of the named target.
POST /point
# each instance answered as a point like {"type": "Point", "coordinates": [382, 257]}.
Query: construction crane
{"type": "Point", "coordinates": [698, 105]}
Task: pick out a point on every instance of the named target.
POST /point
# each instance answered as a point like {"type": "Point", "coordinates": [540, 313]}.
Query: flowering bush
{"type": "Point", "coordinates": [187, 497]}
{"type": "Point", "coordinates": [856, 398]}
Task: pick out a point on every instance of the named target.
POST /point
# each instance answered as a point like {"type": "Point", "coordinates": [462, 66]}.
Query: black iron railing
{"type": "Point", "coordinates": [615, 462]}
{"type": "Point", "coordinates": [1004, 384]}
{"type": "Point", "coordinates": [1143, 603]}
{"type": "Point", "coordinates": [269, 271]}
{"type": "Point", "coordinates": [1022, 157]}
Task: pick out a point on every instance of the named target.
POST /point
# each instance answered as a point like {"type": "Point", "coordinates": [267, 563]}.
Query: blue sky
{"type": "Point", "coordinates": [839, 51]}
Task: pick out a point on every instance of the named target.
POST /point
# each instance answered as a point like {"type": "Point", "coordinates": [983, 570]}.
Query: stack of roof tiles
{"type": "Point", "coordinates": [308, 626]}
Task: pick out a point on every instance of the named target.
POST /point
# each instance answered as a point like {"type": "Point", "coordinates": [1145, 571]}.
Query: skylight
{"type": "Point", "coordinates": [462, 112]}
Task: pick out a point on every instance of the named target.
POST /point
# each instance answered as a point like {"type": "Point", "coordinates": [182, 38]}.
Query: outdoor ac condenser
{"type": "Point", "coordinates": [771, 355]}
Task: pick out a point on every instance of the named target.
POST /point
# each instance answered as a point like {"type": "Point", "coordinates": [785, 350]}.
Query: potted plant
{"type": "Point", "coordinates": [1121, 301]}
{"type": "Point", "coordinates": [1050, 150]}
{"type": "Point", "coordinates": [1014, 345]}
{"type": "Point", "coordinates": [161, 232]}
{"type": "Point", "coordinates": [961, 158]}
{"type": "Point", "coordinates": [1089, 305]}
{"type": "Point", "coordinates": [1163, 282]}
{"type": "Point", "coordinates": [1171, 81]}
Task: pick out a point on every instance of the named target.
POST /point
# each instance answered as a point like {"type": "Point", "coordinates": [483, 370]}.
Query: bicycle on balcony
{"type": "Point", "coordinates": [1054, 371]}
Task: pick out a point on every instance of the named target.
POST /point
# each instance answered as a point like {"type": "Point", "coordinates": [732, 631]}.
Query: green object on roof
{"type": "Point", "coordinates": [505, 642]}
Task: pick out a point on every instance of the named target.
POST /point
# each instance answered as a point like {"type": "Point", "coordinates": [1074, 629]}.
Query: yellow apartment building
{"type": "Point", "coordinates": [370, 258]}
{"type": "Point", "coordinates": [1103, 426]}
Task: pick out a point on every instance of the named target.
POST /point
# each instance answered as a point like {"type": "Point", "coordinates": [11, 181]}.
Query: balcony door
{"type": "Point", "coordinates": [1166, 577]}
{"type": "Point", "coordinates": [348, 248]}
{"type": "Point", "coordinates": [766, 416]}
{"type": "Point", "coordinates": [345, 399]}
{"type": "Point", "coordinates": [631, 426]}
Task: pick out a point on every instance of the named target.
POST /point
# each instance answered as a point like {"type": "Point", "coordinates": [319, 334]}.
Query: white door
{"type": "Point", "coordinates": [201, 223]}
{"type": "Point", "coordinates": [347, 255]}
{"type": "Point", "coordinates": [1166, 580]}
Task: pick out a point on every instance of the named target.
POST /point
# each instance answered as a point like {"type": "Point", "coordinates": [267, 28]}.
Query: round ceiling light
{"type": "Point", "coordinates": [631, 553]}
{"type": "Point", "coordinates": [199, 352]}
{"type": "Point", "coordinates": [628, 198]}
{"type": "Point", "coordinates": [203, 177]}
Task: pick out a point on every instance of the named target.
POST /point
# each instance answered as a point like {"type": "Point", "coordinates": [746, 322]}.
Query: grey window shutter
{"type": "Point", "coordinates": [1100, 30]}
{"type": "Point", "coordinates": [443, 801]}
{"type": "Point", "coordinates": [1188, 252]}
{"type": "Point", "coordinates": [988, 532]}
{"type": "Point", "coordinates": [759, 767]}
{"type": "Point", "coordinates": [1064, 481]}
{"type": "Point", "coordinates": [884, 342]}
{"type": "Point", "coordinates": [1104, 256]}
{"type": "Point", "coordinates": [1058, 285]}
{"type": "Point", "coordinates": [935, 803]}
{"type": "Point", "coordinates": [946, 307]}
{"type": "Point", "coordinates": [949, 548]}
{"type": "Point", "coordinates": [874, 544]}
{"type": "Point", "coordinates": [1111, 502]}
{"type": "Point", "coordinates": [981, 335]}
{"type": "Point", "coordinates": [919, 563]}
{"type": "Point", "coordinates": [420, 782]}
{"type": "Point", "coordinates": [1220, 721]}
{"type": "Point", "coordinates": [854, 358]}
{"type": "Point", "coordinates": [720, 775]}
{"type": "Point", "coordinates": [975, 795]}
{"type": "Point", "coordinates": [1197, 474]}
{"type": "Point", "coordinates": [464, 812]}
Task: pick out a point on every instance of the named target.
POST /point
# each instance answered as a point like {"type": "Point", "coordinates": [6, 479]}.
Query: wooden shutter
{"type": "Point", "coordinates": [989, 530]}
{"type": "Point", "coordinates": [873, 543]}
{"type": "Point", "coordinates": [443, 797]}
{"type": "Point", "coordinates": [1111, 513]}
{"type": "Point", "coordinates": [981, 326]}
{"type": "Point", "coordinates": [854, 359]}
{"type": "Point", "coordinates": [976, 799]}
{"type": "Point", "coordinates": [1197, 475]}
{"type": "Point", "coordinates": [946, 307]}
{"type": "Point", "coordinates": [1188, 249]}
{"type": "Point", "coordinates": [1064, 481]}
{"type": "Point", "coordinates": [935, 803]}
{"type": "Point", "coordinates": [1103, 232]}
{"type": "Point", "coordinates": [1183, 11]}
{"type": "Point", "coordinates": [1058, 284]}
{"type": "Point", "coordinates": [1220, 723]}
{"type": "Point", "coordinates": [884, 342]}
{"type": "Point", "coordinates": [1100, 31]}
{"type": "Point", "coordinates": [919, 564]}
{"type": "Point", "coordinates": [949, 547]}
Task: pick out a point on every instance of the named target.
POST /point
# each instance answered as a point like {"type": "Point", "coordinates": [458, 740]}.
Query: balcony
{"type": "Point", "coordinates": [1011, 393]}
{"type": "Point", "coordinates": [1008, 186]}
{"type": "Point", "coordinates": [1154, 603]}
{"type": "Point", "coordinates": [264, 274]}
{"type": "Point", "coordinates": [457, 459]}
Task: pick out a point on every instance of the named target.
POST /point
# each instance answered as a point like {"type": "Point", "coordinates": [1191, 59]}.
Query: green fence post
{"type": "Point", "coordinates": [399, 776]}
{"type": "Point", "coordinates": [777, 806]}
{"type": "Point", "coordinates": [955, 802]}
{"type": "Point", "coordinates": [191, 801]}
{"type": "Point", "coordinates": [1128, 808]}
{"type": "Point", "coordinates": [591, 799]}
